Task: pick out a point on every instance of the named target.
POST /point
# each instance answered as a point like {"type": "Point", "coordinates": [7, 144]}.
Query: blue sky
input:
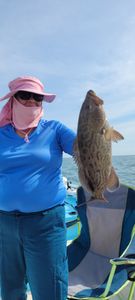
{"type": "Point", "coordinates": [73, 46]}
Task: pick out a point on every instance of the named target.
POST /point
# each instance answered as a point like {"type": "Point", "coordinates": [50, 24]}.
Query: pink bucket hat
{"type": "Point", "coordinates": [29, 84]}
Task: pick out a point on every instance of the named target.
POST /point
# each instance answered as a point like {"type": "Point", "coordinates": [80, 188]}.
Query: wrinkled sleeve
{"type": "Point", "coordinates": [66, 138]}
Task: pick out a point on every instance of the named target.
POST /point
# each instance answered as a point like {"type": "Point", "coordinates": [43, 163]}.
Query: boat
{"type": "Point", "coordinates": [72, 219]}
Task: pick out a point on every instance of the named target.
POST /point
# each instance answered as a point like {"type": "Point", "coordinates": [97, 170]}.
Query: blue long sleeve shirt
{"type": "Point", "coordinates": [30, 173]}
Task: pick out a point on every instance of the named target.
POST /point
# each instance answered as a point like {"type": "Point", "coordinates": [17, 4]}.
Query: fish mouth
{"type": "Point", "coordinates": [97, 101]}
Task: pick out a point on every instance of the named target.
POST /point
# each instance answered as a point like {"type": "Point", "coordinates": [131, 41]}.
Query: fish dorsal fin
{"type": "Point", "coordinates": [111, 134]}
{"type": "Point", "coordinates": [113, 181]}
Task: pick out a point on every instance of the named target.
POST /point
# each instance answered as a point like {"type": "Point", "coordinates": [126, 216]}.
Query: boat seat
{"type": "Point", "coordinates": [102, 258]}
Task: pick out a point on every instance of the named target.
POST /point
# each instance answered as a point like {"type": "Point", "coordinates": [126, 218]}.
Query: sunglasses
{"type": "Point", "coordinates": [24, 95]}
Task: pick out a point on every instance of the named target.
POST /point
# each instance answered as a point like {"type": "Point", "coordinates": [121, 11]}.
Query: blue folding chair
{"type": "Point", "coordinates": [102, 258]}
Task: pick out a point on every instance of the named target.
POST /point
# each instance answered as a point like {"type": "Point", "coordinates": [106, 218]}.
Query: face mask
{"type": "Point", "coordinates": [24, 117]}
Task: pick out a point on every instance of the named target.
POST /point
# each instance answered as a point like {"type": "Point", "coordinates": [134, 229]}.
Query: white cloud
{"type": "Point", "coordinates": [72, 47]}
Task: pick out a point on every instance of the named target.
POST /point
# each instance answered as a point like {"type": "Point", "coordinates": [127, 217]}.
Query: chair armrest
{"type": "Point", "coordinates": [128, 256]}
{"type": "Point", "coordinates": [127, 259]}
{"type": "Point", "coordinates": [126, 263]}
{"type": "Point", "coordinates": [122, 261]}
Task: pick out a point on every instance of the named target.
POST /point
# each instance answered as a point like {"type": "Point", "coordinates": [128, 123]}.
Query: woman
{"type": "Point", "coordinates": [32, 193]}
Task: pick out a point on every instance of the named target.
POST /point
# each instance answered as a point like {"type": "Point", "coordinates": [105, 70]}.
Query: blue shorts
{"type": "Point", "coordinates": [33, 250]}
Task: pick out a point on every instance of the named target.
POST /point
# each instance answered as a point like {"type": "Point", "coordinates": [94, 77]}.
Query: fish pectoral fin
{"type": "Point", "coordinates": [111, 134]}
{"type": "Point", "coordinates": [116, 136]}
{"type": "Point", "coordinates": [113, 181]}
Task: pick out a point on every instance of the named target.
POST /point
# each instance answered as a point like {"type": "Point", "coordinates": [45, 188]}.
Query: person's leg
{"type": "Point", "coordinates": [45, 255]}
{"type": "Point", "coordinates": [12, 266]}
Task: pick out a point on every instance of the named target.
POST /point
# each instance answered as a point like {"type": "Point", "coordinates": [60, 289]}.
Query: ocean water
{"type": "Point", "coordinates": [124, 166]}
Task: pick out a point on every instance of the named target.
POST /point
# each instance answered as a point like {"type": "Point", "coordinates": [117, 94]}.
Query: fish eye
{"type": "Point", "coordinates": [89, 106]}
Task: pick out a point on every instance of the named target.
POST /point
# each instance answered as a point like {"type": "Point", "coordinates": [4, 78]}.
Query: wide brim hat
{"type": "Point", "coordinates": [29, 84]}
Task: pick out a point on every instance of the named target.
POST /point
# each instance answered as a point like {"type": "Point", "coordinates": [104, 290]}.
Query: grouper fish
{"type": "Point", "coordinates": [93, 148]}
